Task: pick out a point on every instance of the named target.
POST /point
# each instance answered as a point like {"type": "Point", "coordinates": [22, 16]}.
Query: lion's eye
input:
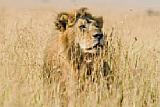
{"type": "Point", "coordinates": [88, 21]}
{"type": "Point", "coordinates": [97, 26]}
{"type": "Point", "coordinates": [82, 26]}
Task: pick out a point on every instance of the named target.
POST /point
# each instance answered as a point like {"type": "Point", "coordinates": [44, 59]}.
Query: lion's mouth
{"type": "Point", "coordinates": [94, 49]}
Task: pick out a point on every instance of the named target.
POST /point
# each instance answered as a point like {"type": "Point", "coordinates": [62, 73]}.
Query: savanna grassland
{"type": "Point", "coordinates": [134, 57]}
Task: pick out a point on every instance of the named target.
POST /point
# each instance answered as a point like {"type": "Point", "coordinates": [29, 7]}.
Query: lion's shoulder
{"type": "Point", "coordinates": [59, 45]}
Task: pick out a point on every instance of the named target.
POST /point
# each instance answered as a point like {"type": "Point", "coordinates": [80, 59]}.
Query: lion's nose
{"type": "Point", "coordinates": [98, 35]}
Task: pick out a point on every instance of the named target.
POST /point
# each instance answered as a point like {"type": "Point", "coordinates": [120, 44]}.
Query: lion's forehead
{"type": "Point", "coordinates": [85, 21]}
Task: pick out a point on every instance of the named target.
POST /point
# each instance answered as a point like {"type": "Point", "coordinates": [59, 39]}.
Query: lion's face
{"type": "Point", "coordinates": [86, 27]}
{"type": "Point", "coordinates": [89, 34]}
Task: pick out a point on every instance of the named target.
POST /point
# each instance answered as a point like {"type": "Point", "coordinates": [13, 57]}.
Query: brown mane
{"type": "Point", "coordinates": [66, 20]}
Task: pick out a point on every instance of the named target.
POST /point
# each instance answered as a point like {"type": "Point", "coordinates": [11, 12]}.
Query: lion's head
{"type": "Point", "coordinates": [86, 29]}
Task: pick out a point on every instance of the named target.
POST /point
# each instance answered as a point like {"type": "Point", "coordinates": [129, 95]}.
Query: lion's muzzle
{"type": "Point", "coordinates": [98, 42]}
{"type": "Point", "coordinates": [98, 39]}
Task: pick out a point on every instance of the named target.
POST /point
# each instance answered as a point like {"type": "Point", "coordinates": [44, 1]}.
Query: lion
{"type": "Point", "coordinates": [78, 51]}
{"type": "Point", "coordinates": [77, 47]}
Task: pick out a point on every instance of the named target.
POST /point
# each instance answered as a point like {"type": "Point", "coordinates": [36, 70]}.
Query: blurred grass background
{"type": "Point", "coordinates": [135, 49]}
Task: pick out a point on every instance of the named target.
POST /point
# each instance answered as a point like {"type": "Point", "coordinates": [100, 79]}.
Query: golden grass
{"type": "Point", "coordinates": [133, 54]}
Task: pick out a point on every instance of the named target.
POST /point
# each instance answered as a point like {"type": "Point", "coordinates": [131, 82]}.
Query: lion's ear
{"type": "Point", "coordinates": [81, 12]}
{"type": "Point", "coordinates": [99, 21]}
{"type": "Point", "coordinates": [63, 21]}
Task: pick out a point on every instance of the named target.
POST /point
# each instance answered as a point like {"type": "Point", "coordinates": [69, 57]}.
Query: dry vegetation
{"type": "Point", "coordinates": [133, 54]}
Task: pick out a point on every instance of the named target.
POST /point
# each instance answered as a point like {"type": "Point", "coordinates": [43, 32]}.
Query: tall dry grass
{"type": "Point", "coordinates": [133, 55]}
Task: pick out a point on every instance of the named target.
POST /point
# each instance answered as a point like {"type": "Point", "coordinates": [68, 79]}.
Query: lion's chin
{"type": "Point", "coordinates": [90, 54]}
{"type": "Point", "coordinates": [93, 51]}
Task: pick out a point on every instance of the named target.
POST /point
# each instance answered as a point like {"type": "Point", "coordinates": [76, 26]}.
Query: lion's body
{"type": "Point", "coordinates": [56, 55]}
